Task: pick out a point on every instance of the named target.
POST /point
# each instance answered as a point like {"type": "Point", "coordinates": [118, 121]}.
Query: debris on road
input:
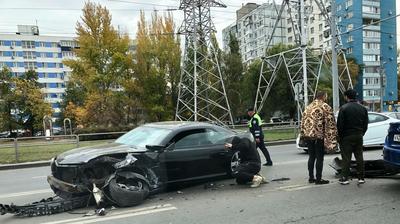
{"type": "Point", "coordinates": [372, 168]}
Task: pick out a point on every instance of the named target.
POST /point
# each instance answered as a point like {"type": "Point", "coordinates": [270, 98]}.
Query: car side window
{"type": "Point", "coordinates": [373, 118]}
{"type": "Point", "coordinates": [217, 137]}
{"type": "Point", "coordinates": [191, 139]}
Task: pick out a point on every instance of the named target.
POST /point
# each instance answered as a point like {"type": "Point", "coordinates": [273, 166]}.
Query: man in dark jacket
{"type": "Point", "coordinates": [258, 134]}
{"type": "Point", "coordinates": [250, 163]}
{"type": "Point", "coordinates": [352, 123]}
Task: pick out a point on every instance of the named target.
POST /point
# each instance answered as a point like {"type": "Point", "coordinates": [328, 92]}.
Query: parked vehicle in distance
{"type": "Point", "coordinates": [378, 125]}
{"type": "Point", "coordinates": [275, 120]}
{"type": "Point", "coordinates": [144, 161]}
{"type": "Point", "coordinates": [391, 149]}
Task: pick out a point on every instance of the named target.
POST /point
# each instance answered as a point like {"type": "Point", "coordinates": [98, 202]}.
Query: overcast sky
{"type": "Point", "coordinates": [59, 17]}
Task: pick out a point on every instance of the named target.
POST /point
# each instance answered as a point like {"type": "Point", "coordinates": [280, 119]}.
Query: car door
{"type": "Point", "coordinates": [193, 156]}
{"type": "Point", "coordinates": [377, 129]}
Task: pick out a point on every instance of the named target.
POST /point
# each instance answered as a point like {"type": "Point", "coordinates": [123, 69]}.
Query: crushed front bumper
{"type": "Point", "coordinates": [66, 187]}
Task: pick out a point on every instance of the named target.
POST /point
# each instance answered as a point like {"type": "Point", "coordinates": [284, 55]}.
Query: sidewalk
{"type": "Point", "coordinates": [47, 163]}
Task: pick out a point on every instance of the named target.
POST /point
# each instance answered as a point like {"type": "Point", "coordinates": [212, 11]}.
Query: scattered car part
{"type": "Point", "coordinates": [98, 195]}
{"type": "Point", "coordinates": [47, 206]}
{"type": "Point", "coordinates": [372, 168]}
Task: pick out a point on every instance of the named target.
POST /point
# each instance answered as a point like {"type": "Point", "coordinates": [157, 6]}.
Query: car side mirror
{"type": "Point", "coordinates": [155, 148]}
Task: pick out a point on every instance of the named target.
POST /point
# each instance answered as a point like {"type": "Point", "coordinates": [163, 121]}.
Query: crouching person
{"type": "Point", "coordinates": [250, 163]}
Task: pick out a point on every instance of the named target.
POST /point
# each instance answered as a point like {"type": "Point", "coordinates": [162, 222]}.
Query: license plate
{"type": "Point", "coordinates": [396, 138]}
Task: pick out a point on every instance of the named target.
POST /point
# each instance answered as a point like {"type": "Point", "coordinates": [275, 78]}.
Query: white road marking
{"type": "Point", "coordinates": [116, 215]}
{"type": "Point", "coordinates": [39, 177]}
{"type": "Point", "coordinates": [290, 162]}
{"type": "Point", "coordinates": [20, 194]}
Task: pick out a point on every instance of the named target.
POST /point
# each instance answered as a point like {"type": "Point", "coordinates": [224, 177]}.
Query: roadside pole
{"type": "Point", "coordinates": [335, 78]}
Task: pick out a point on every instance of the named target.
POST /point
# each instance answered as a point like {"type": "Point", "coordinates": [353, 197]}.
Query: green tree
{"type": "Point", "coordinates": [102, 66]}
{"type": "Point", "coordinates": [157, 66]}
{"type": "Point", "coordinates": [234, 77]}
{"type": "Point", "coordinates": [23, 102]}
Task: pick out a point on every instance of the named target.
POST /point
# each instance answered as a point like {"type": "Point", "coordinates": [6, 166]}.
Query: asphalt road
{"type": "Point", "coordinates": [293, 201]}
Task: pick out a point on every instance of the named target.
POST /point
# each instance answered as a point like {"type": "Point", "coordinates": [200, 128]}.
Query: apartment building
{"type": "Point", "coordinates": [253, 27]}
{"type": "Point", "coordinates": [27, 50]}
{"type": "Point", "coordinates": [368, 31]}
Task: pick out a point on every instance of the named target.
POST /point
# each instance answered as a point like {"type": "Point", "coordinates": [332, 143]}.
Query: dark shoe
{"type": "Point", "coordinates": [311, 180]}
{"type": "Point", "coordinates": [268, 163]}
{"type": "Point", "coordinates": [344, 181]}
{"type": "Point", "coordinates": [322, 181]}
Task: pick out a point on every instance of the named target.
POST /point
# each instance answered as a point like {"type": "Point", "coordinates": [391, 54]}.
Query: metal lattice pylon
{"type": "Point", "coordinates": [202, 95]}
{"type": "Point", "coordinates": [300, 60]}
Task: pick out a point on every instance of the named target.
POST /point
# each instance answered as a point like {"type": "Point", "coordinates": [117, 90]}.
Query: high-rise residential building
{"type": "Point", "coordinates": [316, 27]}
{"type": "Point", "coordinates": [253, 27]}
{"type": "Point", "coordinates": [368, 32]}
{"type": "Point", "coordinates": [27, 50]}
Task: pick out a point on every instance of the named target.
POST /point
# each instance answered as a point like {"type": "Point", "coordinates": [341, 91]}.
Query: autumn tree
{"type": "Point", "coordinates": [103, 64]}
{"type": "Point", "coordinates": [157, 66]}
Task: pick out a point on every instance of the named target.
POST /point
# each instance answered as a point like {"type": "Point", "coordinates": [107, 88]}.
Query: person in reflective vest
{"type": "Point", "coordinates": [257, 132]}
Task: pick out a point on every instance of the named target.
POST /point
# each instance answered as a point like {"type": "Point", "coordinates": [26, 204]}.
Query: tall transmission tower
{"type": "Point", "coordinates": [302, 64]}
{"type": "Point", "coordinates": [202, 95]}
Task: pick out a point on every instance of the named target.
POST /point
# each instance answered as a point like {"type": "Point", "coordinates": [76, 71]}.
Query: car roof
{"type": "Point", "coordinates": [173, 125]}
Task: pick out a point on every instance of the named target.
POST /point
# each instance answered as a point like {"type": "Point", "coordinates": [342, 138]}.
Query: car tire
{"type": "Point", "coordinates": [128, 192]}
{"type": "Point", "coordinates": [234, 163]}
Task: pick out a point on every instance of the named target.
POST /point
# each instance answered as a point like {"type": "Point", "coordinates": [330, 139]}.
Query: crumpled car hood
{"type": "Point", "coordinates": [85, 154]}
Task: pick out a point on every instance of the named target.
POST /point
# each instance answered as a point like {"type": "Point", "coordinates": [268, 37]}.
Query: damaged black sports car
{"type": "Point", "coordinates": [144, 161]}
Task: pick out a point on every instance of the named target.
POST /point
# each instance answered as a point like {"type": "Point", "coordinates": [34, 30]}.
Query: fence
{"type": "Point", "coordinates": [26, 149]}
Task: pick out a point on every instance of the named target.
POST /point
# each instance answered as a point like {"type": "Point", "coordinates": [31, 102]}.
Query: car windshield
{"type": "Point", "coordinates": [142, 136]}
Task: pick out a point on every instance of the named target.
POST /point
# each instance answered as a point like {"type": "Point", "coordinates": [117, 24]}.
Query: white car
{"type": "Point", "coordinates": [378, 124]}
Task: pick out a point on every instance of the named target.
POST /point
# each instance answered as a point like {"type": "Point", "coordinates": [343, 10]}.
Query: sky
{"type": "Point", "coordinates": [59, 17]}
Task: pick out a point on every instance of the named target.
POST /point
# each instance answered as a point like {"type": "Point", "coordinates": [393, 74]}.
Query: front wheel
{"type": "Point", "coordinates": [128, 191]}
{"type": "Point", "coordinates": [234, 164]}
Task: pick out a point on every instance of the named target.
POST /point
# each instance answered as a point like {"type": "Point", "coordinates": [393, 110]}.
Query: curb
{"type": "Point", "coordinates": [24, 165]}
{"type": "Point", "coordinates": [47, 163]}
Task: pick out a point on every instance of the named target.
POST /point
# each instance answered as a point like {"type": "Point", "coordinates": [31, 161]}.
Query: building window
{"type": "Point", "coordinates": [350, 38]}
{"type": "Point", "coordinates": [370, 33]}
{"type": "Point", "coordinates": [349, 3]}
{"type": "Point", "coordinates": [371, 57]}
{"type": "Point", "coordinates": [28, 44]}
{"type": "Point", "coordinates": [371, 69]}
{"type": "Point", "coordinates": [321, 37]}
{"type": "Point", "coordinates": [320, 27]}
{"type": "Point", "coordinates": [374, 46]}
{"type": "Point", "coordinates": [349, 27]}
{"type": "Point", "coordinates": [29, 55]}
{"type": "Point", "coordinates": [30, 65]}
{"type": "Point", "coordinates": [349, 50]}
{"type": "Point", "coordinates": [349, 15]}
{"type": "Point", "coordinates": [312, 30]}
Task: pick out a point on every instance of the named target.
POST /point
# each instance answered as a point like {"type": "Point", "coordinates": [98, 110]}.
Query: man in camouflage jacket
{"type": "Point", "coordinates": [318, 129]}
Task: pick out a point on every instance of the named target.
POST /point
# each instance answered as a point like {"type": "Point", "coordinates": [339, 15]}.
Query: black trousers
{"type": "Point", "coordinates": [316, 154]}
{"type": "Point", "coordinates": [246, 172]}
{"type": "Point", "coordinates": [264, 150]}
{"type": "Point", "coordinates": [348, 145]}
